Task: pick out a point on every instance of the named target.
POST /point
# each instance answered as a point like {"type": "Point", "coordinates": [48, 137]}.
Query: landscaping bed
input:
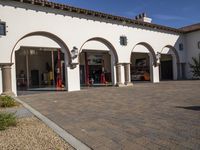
{"type": "Point", "coordinates": [21, 130]}
{"type": "Point", "coordinates": [31, 134]}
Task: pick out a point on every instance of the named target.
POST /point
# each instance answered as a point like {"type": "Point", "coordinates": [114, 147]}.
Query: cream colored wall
{"type": "Point", "coordinates": [75, 30]}
{"type": "Point", "coordinates": [192, 50]}
{"type": "Point", "coordinates": [94, 45]}
{"type": "Point", "coordinates": [37, 41]}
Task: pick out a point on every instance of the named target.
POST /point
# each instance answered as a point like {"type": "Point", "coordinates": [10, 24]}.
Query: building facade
{"type": "Point", "coordinates": [50, 45]}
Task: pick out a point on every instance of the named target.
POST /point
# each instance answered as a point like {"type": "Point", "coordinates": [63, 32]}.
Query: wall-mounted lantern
{"type": "Point", "coordinates": [158, 56]}
{"type": "Point", "coordinates": [123, 40]}
{"type": "Point", "coordinates": [2, 28]}
{"type": "Point", "coordinates": [74, 52]}
{"type": "Point", "coordinates": [181, 46]}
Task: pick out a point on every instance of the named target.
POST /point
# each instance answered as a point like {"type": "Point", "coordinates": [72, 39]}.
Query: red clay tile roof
{"type": "Point", "coordinates": [124, 20]}
{"type": "Point", "coordinates": [191, 28]}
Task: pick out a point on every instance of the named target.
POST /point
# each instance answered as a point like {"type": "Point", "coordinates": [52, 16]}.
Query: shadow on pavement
{"type": "Point", "coordinates": [195, 108]}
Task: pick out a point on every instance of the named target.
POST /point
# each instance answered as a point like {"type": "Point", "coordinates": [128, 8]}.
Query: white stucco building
{"type": "Point", "coordinates": [50, 45]}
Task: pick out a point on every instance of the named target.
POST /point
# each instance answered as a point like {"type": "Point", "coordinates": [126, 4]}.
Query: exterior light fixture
{"type": "Point", "coordinates": [2, 28]}
{"type": "Point", "coordinates": [181, 46]}
{"type": "Point", "coordinates": [123, 40]}
{"type": "Point", "coordinates": [74, 52]}
{"type": "Point", "coordinates": [158, 56]}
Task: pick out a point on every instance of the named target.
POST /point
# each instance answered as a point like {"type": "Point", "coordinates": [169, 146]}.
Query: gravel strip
{"type": "Point", "coordinates": [31, 134]}
{"type": "Point", "coordinates": [20, 112]}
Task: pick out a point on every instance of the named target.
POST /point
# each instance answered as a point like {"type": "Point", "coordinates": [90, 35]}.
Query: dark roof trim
{"type": "Point", "coordinates": [191, 28]}
{"type": "Point", "coordinates": [124, 20]}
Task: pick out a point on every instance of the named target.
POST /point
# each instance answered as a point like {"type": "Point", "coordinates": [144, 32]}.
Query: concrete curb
{"type": "Point", "coordinates": [74, 142]}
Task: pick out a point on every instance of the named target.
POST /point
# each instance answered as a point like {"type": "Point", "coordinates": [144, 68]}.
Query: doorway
{"type": "Point", "coordinates": [166, 67]}
{"type": "Point", "coordinates": [95, 68]}
{"type": "Point", "coordinates": [140, 68]}
{"type": "Point", "coordinates": [39, 68]}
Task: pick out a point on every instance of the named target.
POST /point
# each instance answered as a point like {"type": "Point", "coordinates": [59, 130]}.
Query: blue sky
{"type": "Point", "coordinates": [174, 13]}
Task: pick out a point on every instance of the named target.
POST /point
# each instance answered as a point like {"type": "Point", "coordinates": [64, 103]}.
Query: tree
{"type": "Point", "coordinates": [195, 66]}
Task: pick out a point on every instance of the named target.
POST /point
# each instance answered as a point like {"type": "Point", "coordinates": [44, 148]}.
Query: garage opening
{"type": "Point", "coordinates": [40, 68]}
{"type": "Point", "coordinates": [166, 67]}
{"type": "Point", "coordinates": [95, 68]}
{"type": "Point", "coordinates": [140, 67]}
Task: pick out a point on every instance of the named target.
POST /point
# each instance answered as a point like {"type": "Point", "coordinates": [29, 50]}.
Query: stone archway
{"type": "Point", "coordinates": [48, 35]}
{"type": "Point", "coordinates": [113, 58]}
{"type": "Point", "coordinates": [105, 42]}
{"type": "Point", "coordinates": [173, 53]}
{"type": "Point", "coordinates": [150, 69]}
{"type": "Point", "coordinates": [150, 49]}
{"type": "Point", "coordinates": [7, 67]}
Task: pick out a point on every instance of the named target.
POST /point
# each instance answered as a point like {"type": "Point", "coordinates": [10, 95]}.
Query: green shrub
{"type": "Point", "coordinates": [6, 120]}
{"type": "Point", "coordinates": [7, 101]}
{"type": "Point", "coordinates": [195, 67]}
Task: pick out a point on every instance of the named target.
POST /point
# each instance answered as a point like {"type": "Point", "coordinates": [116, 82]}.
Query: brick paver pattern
{"type": "Point", "coordinates": [146, 116]}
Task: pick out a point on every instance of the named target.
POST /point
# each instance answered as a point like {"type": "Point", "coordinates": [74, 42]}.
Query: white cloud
{"type": "Point", "coordinates": [168, 17]}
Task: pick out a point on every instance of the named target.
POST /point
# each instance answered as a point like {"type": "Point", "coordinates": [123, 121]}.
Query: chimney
{"type": "Point", "coordinates": [143, 17]}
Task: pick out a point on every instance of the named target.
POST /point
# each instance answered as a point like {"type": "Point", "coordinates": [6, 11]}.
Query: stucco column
{"type": "Point", "coordinates": [154, 70]}
{"type": "Point", "coordinates": [155, 73]}
{"type": "Point", "coordinates": [118, 74]}
{"type": "Point", "coordinates": [6, 78]}
{"type": "Point", "coordinates": [179, 71]}
{"type": "Point", "coordinates": [127, 74]}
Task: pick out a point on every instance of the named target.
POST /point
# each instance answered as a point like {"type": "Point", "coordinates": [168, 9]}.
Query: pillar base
{"type": "Point", "coordinates": [6, 79]}
{"type": "Point", "coordinates": [128, 83]}
{"type": "Point", "coordinates": [120, 85]}
{"type": "Point", "coordinates": [8, 94]}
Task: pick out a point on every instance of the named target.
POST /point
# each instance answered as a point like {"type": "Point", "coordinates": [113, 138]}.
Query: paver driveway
{"type": "Point", "coordinates": [145, 116]}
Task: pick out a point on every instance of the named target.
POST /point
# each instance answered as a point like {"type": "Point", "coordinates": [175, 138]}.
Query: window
{"type": "Point", "coordinates": [123, 40]}
{"type": "Point", "coordinates": [181, 46]}
{"type": "Point", "coordinates": [198, 45]}
{"type": "Point", "coordinates": [2, 28]}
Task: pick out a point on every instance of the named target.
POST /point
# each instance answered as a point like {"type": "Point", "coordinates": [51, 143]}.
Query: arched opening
{"type": "Point", "coordinates": [97, 60]}
{"type": "Point", "coordinates": [142, 60]}
{"type": "Point", "coordinates": [169, 68]}
{"type": "Point", "coordinates": [40, 60]}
